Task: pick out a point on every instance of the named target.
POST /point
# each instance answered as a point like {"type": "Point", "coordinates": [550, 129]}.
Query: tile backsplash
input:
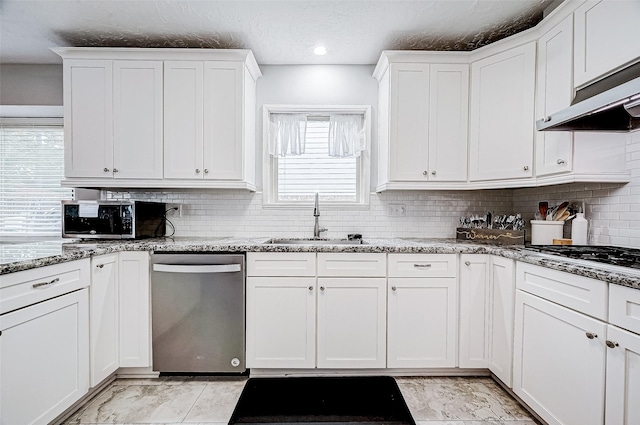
{"type": "Point", "coordinates": [216, 213]}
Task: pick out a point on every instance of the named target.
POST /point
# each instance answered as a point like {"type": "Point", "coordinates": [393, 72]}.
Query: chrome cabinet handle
{"type": "Point", "coordinates": [612, 344]}
{"type": "Point", "coordinates": [467, 263]}
{"type": "Point", "coordinates": [560, 162]}
{"type": "Point", "coordinates": [100, 266]}
{"type": "Point", "coordinates": [311, 288]}
{"type": "Point", "coordinates": [206, 171]}
{"type": "Point", "coordinates": [433, 173]}
{"type": "Point", "coordinates": [115, 170]}
{"type": "Point", "coordinates": [525, 168]}
{"type": "Point", "coordinates": [545, 119]}
{"type": "Point", "coordinates": [197, 171]}
{"type": "Point", "coordinates": [322, 288]}
{"type": "Point", "coordinates": [422, 265]}
{"type": "Point", "coordinates": [425, 172]}
{"type": "Point", "coordinates": [591, 335]}
{"type": "Point", "coordinates": [41, 284]}
{"type": "Point", "coordinates": [393, 288]}
{"type": "Point", "coordinates": [106, 170]}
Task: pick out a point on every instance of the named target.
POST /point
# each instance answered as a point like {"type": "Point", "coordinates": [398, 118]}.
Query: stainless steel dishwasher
{"type": "Point", "coordinates": [198, 314]}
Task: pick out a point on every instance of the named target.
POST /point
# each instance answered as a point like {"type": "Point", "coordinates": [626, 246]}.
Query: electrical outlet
{"type": "Point", "coordinates": [174, 213]}
{"type": "Point", "coordinates": [397, 210]}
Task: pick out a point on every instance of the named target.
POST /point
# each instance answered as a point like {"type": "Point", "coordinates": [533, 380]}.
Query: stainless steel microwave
{"type": "Point", "coordinates": [113, 219]}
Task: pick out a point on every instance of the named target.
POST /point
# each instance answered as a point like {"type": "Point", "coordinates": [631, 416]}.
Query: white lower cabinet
{"type": "Point", "coordinates": [559, 361]}
{"type": "Point", "coordinates": [502, 290]}
{"type": "Point", "coordinates": [103, 317]}
{"type": "Point", "coordinates": [623, 377]}
{"type": "Point", "coordinates": [422, 323]}
{"type": "Point", "coordinates": [44, 359]}
{"type": "Point", "coordinates": [134, 301]}
{"type": "Point", "coordinates": [281, 325]}
{"type": "Point", "coordinates": [474, 310]}
{"type": "Point", "coordinates": [351, 322]}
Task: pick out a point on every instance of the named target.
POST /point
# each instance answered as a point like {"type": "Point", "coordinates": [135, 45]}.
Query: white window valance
{"type": "Point", "coordinates": [287, 134]}
{"type": "Point", "coordinates": [346, 135]}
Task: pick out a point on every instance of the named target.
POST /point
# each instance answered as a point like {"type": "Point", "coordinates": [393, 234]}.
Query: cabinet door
{"type": "Point", "coordinates": [606, 38]}
{"type": "Point", "coordinates": [448, 122]}
{"type": "Point", "coordinates": [623, 377]}
{"type": "Point", "coordinates": [223, 120]}
{"type": "Point", "coordinates": [134, 311]}
{"type": "Point", "coordinates": [281, 322]}
{"type": "Point", "coordinates": [183, 113]}
{"type": "Point", "coordinates": [88, 118]}
{"type": "Point", "coordinates": [501, 121]}
{"type": "Point", "coordinates": [558, 370]}
{"type": "Point", "coordinates": [422, 325]}
{"type": "Point", "coordinates": [474, 310]}
{"type": "Point", "coordinates": [351, 322]}
{"type": "Point", "coordinates": [137, 119]}
{"type": "Point", "coordinates": [502, 287]}
{"type": "Point", "coordinates": [104, 317]}
{"type": "Point", "coordinates": [554, 149]}
{"type": "Point", "coordinates": [44, 359]}
{"type": "Point", "coordinates": [409, 122]}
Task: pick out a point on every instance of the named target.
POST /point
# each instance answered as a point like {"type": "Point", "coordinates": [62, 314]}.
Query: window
{"type": "Point", "coordinates": [309, 163]}
{"type": "Point", "coordinates": [31, 167]}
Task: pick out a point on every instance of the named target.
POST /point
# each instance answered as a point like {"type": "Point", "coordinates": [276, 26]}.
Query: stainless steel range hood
{"type": "Point", "coordinates": [611, 104]}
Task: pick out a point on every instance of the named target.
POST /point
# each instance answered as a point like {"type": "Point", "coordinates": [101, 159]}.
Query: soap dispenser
{"type": "Point", "coordinates": [579, 228]}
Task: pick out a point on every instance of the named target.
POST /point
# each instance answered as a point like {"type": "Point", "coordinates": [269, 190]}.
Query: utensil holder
{"type": "Point", "coordinates": [543, 232]}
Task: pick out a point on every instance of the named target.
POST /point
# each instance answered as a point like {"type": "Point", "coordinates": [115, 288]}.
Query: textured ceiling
{"type": "Point", "coordinates": [278, 32]}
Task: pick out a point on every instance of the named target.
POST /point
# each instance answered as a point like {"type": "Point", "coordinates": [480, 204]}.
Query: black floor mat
{"type": "Point", "coordinates": [322, 400]}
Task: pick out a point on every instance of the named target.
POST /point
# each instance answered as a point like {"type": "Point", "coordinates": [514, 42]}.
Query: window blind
{"type": "Point", "coordinates": [31, 167]}
{"type": "Point", "coordinates": [301, 176]}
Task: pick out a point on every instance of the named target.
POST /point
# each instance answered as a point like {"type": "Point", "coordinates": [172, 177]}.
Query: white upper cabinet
{"type": "Point", "coordinates": [502, 119]}
{"type": "Point", "coordinates": [606, 38]}
{"type": "Point", "coordinates": [448, 122]}
{"type": "Point", "coordinates": [137, 119]}
{"type": "Point", "coordinates": [113, 119]}
{"type": "Point", "coordinates": [223, 124]}
{"type": "Point", "coordinates": [554, 149]}
{"type": "Point", "coordinates": [159, 118]}
{"type": "Point", "coordinates": [423, 122]}
{"type": "Point", "coordinates": [183, 118]}
{"type": "Point", "coordinates": [88, 118]}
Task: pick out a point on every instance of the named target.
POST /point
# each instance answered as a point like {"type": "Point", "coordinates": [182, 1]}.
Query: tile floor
{"type": "Point", "coordinates": [209, 401]}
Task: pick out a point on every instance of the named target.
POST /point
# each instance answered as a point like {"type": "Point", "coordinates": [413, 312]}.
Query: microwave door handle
{"type": "Point", "coordinates": [182, 268]}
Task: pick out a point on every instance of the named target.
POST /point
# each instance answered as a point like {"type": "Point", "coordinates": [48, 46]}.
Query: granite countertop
{"type": "Point", "coordinates": [16, 257]}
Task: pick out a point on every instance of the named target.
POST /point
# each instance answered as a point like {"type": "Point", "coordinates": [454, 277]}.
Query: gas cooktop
{"type": "Point", "coordinates": [617, 256]}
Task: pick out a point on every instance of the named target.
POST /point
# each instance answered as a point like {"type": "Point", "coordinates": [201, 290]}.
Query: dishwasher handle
{"type": "Point", "coordinates": [182, 268]}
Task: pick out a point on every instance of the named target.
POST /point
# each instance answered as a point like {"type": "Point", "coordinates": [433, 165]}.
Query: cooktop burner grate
{"type": "Point", "coordinates": [617, 256]}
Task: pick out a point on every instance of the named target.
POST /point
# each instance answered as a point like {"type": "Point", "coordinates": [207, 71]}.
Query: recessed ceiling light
{"type": "Point", "coordinates": [320, 50]}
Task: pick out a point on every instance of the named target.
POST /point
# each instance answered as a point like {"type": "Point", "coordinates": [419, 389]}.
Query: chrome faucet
{"type": "Point", "coordinates": [316, 213]}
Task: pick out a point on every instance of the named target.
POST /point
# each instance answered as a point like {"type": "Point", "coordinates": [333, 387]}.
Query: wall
{"type": "Point", "coordinates": [316, 85]}
{"type": "Point", "coordinates": [613, 210]}
{"type": "Point", "coordinates": [31, 85]}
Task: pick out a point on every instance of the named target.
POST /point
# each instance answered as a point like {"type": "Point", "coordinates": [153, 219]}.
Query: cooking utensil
{"type": "Point", "coordinates": [542, 208]}
{"type": "Point", "coordinates": [560, 210]}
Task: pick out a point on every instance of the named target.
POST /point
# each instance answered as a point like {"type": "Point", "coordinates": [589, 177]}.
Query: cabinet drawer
{"type": "Point", "coordinates": [422, 265]}
{"type": "Point", "coordinates": [580, 293]}
{"type": "Point", "coordinates": [281, 264]}
{"type": "Point", "coordinates": [624, 307]}
{"type": "Point", "coordinates": [352, 264]}
{"type": "Point", "coordinates": [28, 287]}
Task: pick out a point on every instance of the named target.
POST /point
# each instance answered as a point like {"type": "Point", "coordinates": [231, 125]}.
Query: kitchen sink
{"type": "Point", "coordinates": [285, 241]}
